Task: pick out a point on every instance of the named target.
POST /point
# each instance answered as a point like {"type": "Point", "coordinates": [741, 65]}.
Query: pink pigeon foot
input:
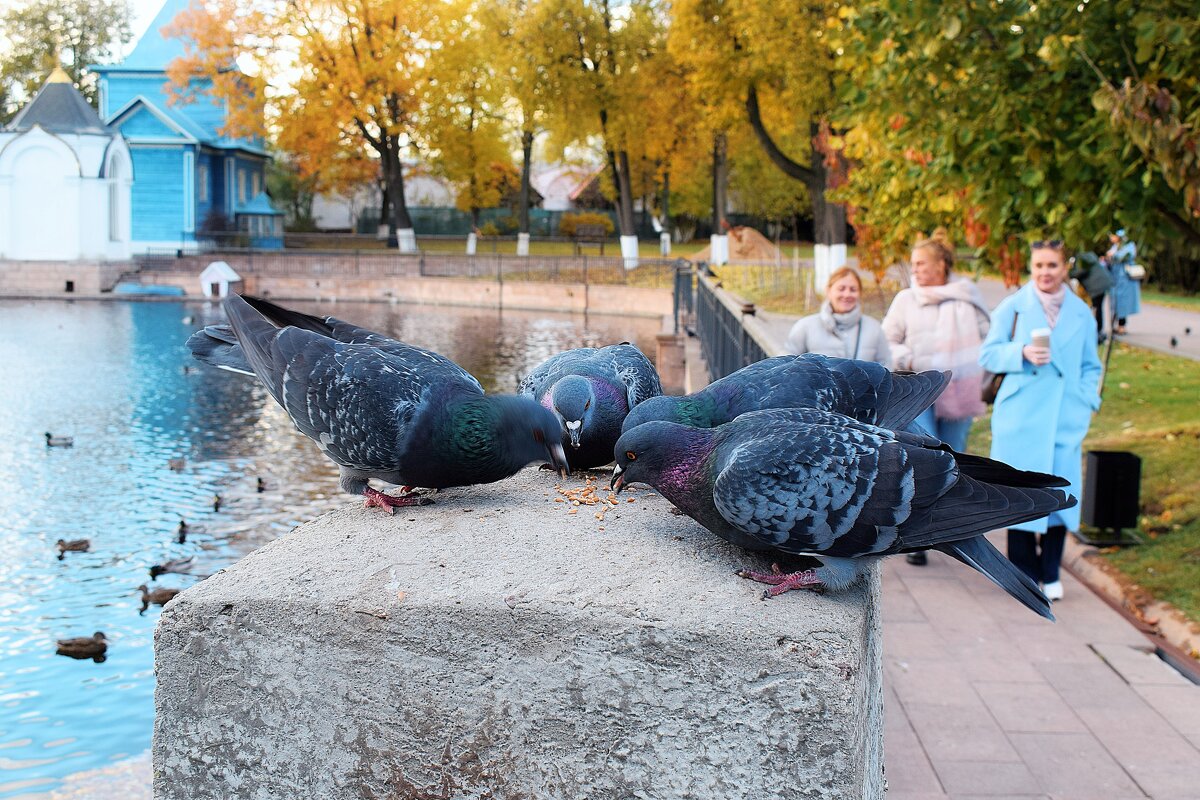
{"type": "Point", "coordinates": [377, 499]}
{"type": "Point", "coordinates": [781, 581]}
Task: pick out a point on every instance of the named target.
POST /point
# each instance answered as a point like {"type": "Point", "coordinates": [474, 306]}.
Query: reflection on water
{"type": "Point", "coordinates": [112, 375]}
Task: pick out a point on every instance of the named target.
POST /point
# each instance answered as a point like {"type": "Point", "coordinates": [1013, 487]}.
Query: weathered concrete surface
{"type": "Point", "coordinates": [495, 645]}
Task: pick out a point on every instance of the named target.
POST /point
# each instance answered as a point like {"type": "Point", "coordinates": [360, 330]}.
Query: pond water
{"type": "Point", "coordinates": [154, 440]}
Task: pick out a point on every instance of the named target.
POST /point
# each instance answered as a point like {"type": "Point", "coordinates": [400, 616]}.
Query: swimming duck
{"type": "Point", "coordinates": [176, 464]}
{"type": "Point", "coordinates": [73, 546]}
{"type": "Point", "coordinates": [176, 565]}
{"type": "Point", "coordinates": [93, 647]}
{"type": "Point", "coordinates": [216, 503]}
{"type": "Point", "coordinates": [158, 597]}
{"type": "Point", "coordinates": [59, 441]}
{"type": "Point", "coordinates": [182, 532]}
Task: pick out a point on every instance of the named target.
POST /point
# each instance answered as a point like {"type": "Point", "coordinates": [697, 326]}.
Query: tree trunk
{"type": "Point", "coordinates": [666, 201]}
{"type": "Point", "coordinates": [394, 172]}
{"type": "Point", "coordinates": [624, 195]}
{"type": "Point", "coordinates": [720, 179]}
{"type": "Point", "coordinates": [829, 219]}
{"type": "Point", "coordinates": [526, 157]}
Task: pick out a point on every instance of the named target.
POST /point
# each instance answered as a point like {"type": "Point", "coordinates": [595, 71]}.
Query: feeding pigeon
{"type": "Point", "coordinates": [807, 482]}
{"type": "Point", "coordinates": [863, 390]}
{"type": "Point", "coordinates": [591, 391]}
{"type": "Point", "coordinates": [379, 408]}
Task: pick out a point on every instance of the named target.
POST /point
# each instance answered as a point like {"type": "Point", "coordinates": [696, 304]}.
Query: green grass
{"type": "Point", "coordinates": [1186, 302]}
{"type": "Point", "coordinates": [1151, 408]}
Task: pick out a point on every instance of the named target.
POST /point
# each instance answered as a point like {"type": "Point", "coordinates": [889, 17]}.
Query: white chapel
{"type": "Point", "coordinates": [64, 181]}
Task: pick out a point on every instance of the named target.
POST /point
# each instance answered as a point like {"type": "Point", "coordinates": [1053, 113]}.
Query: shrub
{"type": "Point", "coordinates": [570, 222]}
{"type": "Point", "coordinates": [489, 229]}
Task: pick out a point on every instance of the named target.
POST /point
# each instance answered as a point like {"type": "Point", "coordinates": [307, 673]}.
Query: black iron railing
{"type": "Point", "coordinates": [726, 344]}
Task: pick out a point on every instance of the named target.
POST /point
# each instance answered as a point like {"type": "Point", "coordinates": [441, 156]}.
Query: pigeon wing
{"type": "Point", "coordinates": [812, 489]}
{"type": "Point", "coordinates": [635, 371]}
{"type": "Point", "coordinates": [545, 374]}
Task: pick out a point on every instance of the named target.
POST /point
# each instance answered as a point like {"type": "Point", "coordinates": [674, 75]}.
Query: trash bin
{"type": "Point", "coordinates": [1111, 489]}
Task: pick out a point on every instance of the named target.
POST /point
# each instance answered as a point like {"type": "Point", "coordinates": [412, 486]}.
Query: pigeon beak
{"type": "Point", "coordinates": [618, 480]}
{"type": "Point", "coordinates": [558, 457]}
{"type": "Point", "coordinates": [573, 430]}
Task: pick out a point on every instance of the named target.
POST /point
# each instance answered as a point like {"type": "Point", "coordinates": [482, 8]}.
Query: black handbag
{"type": "Point", "coordinates": [993, 380]}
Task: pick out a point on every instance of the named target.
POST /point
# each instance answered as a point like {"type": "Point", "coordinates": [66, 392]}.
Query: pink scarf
{"type": "Point", "coordinates": [959, 303]}
{"type": "Point", "coordinates": [1052, 303]}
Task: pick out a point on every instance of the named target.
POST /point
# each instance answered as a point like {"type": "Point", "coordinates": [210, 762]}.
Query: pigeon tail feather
{"type": "Point", "coordinates": [979, 553]}
{"type": "Point", "coordinates": [218, 347]}
{"type": "Point", "coordinates": [911, 394]}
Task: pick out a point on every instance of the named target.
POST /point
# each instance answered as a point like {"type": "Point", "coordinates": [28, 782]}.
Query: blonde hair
{"type": "Point", "coordinates": [840, 273]}
{"type": "Point", "coordinates": [940, 249]}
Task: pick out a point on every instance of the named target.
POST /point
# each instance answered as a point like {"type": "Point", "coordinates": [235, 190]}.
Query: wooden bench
{"type": "Point", "coordinates": [590, 234]}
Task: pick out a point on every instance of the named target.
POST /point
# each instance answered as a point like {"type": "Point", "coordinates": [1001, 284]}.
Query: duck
{"type": "Point", "coordinates": [177, 464]}
{"type": "Point", "coordinates": [93, 647]}
{"type": "Point", "coordinates": [216, 503]}
{"type": "Point", "coordinates": [159, 597]}
{"type": "Point", "coordinates": [59, 441]}
{"type": "Point", "coordinates": [182, 532]}
{"type": "Point", "coordinates": [73, 546]}
{"type": "Point", "coordinates": [176, 565]}
{"type": "Point", "coordinates": [260, 485]}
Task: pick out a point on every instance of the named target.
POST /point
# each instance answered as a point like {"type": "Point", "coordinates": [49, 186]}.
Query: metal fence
{"type": "Point", "coordinates": [650, 272]}
{"type": "Point", "coordinates": [726, 344]}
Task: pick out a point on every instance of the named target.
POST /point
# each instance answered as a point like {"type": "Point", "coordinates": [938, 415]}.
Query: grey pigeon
{"type": "Point", "coordinates": [864, 390]}
{"type": "Point", "coordinates": [807, 482]}
{"type": "Point", "coordinates": [379, 408]}
{"type": "Point", "coordinates": [591, 391]}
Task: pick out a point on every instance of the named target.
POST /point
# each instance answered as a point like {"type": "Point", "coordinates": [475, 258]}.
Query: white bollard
{"type": "Point", "coordinates": [471, 242]}
{"type": "Point", "coordinates": [522, 244]}
{"type": "Point", "coordinates": [407, 239]}
{"type": "Point", "coordinates": [826, 258]}
{"type": "Point", "coordinates": [664, 244]}
{"type": "Point", "coordinates": [719, 247]}
{"type": "Point", "coordinates": [629, 251]}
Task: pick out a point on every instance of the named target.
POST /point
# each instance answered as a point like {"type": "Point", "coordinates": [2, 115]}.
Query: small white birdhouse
{"type": "Point", "coordinates": [218, 280]}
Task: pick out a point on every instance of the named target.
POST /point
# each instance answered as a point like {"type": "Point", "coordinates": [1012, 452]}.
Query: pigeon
{"type": "Point", "coordinates": [808, 482]}
{"type": "Point", "coordinates": [72, 546]}
{"type": "Point", "coordinates": [1174, 342]}
{"type": "Point", "coordinates": [59, 441]}
{"type": "Point", "coordinates": [380, 409]}
{"type": "Point", "coordinates": [181, 566]}
{"type": "Point", "coordinates": [864, 390]}
{"type": "Point", "coordinates": [93, 647]}
{"type": "Point", "coordinates": [591, 391]}
{"type": "Point", "coordinates": [159, 597]}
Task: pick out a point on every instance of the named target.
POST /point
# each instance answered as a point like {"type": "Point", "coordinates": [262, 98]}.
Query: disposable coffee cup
{"type": "Point", "coordinates": [1040, 337]}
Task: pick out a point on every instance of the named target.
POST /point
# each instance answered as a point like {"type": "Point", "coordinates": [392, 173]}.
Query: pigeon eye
{"type": "Point", "coordinates": [632, 456]}
{"type": "Point", "coordinates": [538, 437]}
{"type": "Point", "coordinates": [587, 405]}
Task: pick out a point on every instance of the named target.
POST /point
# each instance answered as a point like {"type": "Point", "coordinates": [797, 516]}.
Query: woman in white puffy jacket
{"type": "Point", "coordinates": [840, 328]}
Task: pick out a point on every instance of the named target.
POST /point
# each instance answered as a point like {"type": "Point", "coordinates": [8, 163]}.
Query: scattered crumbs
{"type": "Point", "coordinates": [573, 511]}
{"type": "Point", "coordinates": [599, 516]}
{"type": "Point", "coordinates": [400, 597]}
{"type": "Point", "coordinates": [558, 499]}
{"type": "Point", "coordinates": [468, 510]}
{"type": "Point", "coordinates": [601, 527]}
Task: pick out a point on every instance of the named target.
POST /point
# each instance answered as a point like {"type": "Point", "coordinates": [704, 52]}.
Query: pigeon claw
{"type": "Point", "coordinates": [781, 581]}
{"type": "Point", "coordinates": [377, 499]}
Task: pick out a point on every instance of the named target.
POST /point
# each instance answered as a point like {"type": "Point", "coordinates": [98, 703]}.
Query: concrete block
{"type": "Point", "coordinates": [496, 645]}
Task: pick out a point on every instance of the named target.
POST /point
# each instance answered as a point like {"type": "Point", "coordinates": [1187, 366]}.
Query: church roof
{"type": "Point", "coordinates": [260, 204]}
{"type": "Point", "coordinates": [154, 50]}
{"type": "Point", "coordinates": [58, 107]}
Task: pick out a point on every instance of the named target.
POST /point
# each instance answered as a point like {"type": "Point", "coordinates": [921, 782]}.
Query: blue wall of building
{"type": "Point", "coordinates": [157, 203]}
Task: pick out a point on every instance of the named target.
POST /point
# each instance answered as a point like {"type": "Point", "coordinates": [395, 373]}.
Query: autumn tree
{"type": "Point", "coordinates": [771, 67]}
{"type": "Point", "coordinates": [463, 122]}
{"type": "Point", "coordinates": [338, 77]}
{"type": "Point", "coordinates": [43, 34]}
{"type": "Point", "coordinates": [1018, 120]}
{"type": "Point", "coordinates": [595, 49]}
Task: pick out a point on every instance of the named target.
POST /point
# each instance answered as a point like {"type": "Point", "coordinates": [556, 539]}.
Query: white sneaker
{"type": "Point", "coordinates": [1053, 591]}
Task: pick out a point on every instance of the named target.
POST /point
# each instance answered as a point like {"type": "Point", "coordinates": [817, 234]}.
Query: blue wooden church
{"type": "Point", "coordinates": [191, 184]}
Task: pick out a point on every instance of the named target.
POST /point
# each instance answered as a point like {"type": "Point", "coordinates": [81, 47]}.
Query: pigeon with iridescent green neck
{"type": "Point", "coordinates": [380, 409]}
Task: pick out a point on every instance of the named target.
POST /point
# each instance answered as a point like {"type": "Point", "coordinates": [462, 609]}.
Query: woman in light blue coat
{"type": "Point", "coordinates": [1046, 401]}
{"type": "Point", "coordinates": [1126, 291]}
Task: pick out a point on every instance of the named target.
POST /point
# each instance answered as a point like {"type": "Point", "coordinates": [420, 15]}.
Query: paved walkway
{"type": "Point", "coordinates": [983, 699]}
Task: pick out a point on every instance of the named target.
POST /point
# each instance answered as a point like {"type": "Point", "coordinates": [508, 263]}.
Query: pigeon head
{"type": "Point", "coordinates": [659, 454]}
{"type": "Point", "coordinates": [574, 404]}
{"type": "Point", "coordinates": [526, 432]}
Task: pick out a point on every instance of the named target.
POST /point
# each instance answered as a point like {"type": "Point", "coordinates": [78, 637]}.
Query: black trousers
{"type": "Point", "coordinates": [1038, 555]}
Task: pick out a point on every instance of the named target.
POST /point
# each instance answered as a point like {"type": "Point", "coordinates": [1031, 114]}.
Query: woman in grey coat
{"type": "Point", "coordinates": [840, 328]}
